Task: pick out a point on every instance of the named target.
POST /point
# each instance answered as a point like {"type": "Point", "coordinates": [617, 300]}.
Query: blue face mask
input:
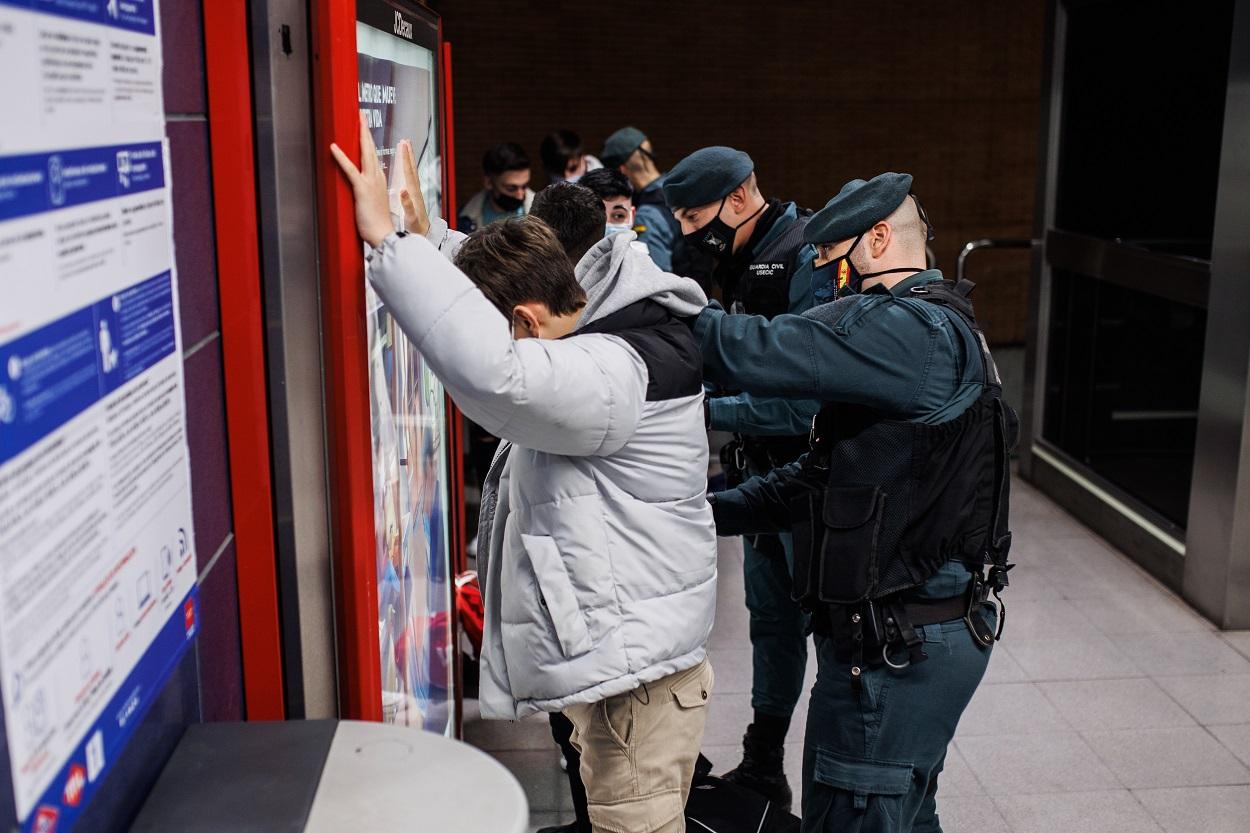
{"type": "Point", "coordinates": [613, 228]}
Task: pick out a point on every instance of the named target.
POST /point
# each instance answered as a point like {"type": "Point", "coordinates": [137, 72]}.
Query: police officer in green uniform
{"type": "Point", "coordinates": [899, 511]}
{"type": "Point", "coordinates": [764, 267]}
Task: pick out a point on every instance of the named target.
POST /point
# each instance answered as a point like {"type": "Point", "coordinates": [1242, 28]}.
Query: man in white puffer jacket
{"type": "Point", "coordinates": [601, 591]}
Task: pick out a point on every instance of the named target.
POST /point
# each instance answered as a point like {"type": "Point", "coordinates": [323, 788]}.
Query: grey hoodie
{"type": "Point", "coordinates": [597, 551]}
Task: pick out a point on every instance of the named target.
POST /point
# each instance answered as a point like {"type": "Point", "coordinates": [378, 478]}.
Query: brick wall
{"type": "Point", "coordinates": [817, 92]}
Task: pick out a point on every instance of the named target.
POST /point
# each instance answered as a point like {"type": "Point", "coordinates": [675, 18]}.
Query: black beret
{"type": "Point", "coordinates": [706, 176]}
{"type": "Point", "coordinates": [857, 207]}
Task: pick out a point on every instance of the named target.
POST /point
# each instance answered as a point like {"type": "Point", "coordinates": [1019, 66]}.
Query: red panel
{"type": "Point", "coordinates": [243, 351]}
{"type": "Point", "coordinates": [337, 117]}
{"type": "Point", "coordinates": [455, 420]}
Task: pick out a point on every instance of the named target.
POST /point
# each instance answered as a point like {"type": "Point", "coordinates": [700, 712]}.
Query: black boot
{"type": "Point", "coordinates": [571, 827]}
{"type": "Point", "coordinates": [762, 768]}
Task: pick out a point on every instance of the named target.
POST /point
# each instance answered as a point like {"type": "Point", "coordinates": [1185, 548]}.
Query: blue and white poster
{"type": "Point", "coordinates": [97, 562]}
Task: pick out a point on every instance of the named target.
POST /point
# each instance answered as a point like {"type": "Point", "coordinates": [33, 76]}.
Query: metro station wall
{"type": "Point", "coordinates": [818, 92]}
{"type": "Point", "coordinates": [207, 685]}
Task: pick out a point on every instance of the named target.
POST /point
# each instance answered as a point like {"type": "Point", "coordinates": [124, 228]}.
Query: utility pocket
{"type": "Point", "coordinates": [847, 557]}
{"type": "Point", "coordinates": [805, 534]}
{"type": "Point", "coordinates": [857, 794]}
{"type": "Point", "coordinates": [556, 595]}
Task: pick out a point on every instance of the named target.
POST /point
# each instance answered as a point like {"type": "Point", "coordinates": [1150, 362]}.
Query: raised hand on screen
{"type": "Point", "coordinates": [368, 183]}
{"type": "Point", "coordinates": [416, 217]}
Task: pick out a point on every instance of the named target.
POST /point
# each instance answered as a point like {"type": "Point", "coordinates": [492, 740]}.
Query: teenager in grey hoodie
{"type": "Point", "coordinates": [600, 567]}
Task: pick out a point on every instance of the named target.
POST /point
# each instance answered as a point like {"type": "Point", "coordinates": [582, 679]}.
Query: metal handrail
{"type": "Point", "coordinates": [991, 243]}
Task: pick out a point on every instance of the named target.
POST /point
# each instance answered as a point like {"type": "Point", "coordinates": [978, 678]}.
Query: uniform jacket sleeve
{"type": "Point", "coordinates": [766, 416]}
{"type": "Point", "coordinates": [658, 237]}
{"type": "Point", "coordinates": [762, 503]}
{"type": "Point", "coordinates": [879, 359]}
{"type": "Point", "coordinates": [575, 396]}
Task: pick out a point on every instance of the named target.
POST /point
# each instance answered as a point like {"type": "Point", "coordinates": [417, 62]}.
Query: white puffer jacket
{"type": "Point", "coordinates": [597, 550]}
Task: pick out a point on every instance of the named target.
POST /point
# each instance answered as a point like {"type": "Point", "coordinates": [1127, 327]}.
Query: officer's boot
{"type": "Point", "coordinates": [762, 768]}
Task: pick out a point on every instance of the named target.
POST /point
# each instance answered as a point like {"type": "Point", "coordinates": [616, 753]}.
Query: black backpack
{"type": "Point", "coordinates": [717, 806]}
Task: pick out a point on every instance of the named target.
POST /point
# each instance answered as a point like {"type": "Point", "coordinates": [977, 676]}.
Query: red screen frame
{"type": "Point", "coordinates": [336, 119]}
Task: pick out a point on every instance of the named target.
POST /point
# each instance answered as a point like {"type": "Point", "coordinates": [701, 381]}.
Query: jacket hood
{"type": "Point", "coordinates": [615, 274]}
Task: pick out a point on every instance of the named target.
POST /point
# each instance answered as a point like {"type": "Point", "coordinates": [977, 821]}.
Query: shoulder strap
{"type": "Point", "coordinates": [957, 298]}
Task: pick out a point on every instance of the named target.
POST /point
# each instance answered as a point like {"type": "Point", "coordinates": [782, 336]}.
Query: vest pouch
{"type": "Point", "coordinates": [852, 518]}
{"type": "Point", "coordinates": [805, 541]}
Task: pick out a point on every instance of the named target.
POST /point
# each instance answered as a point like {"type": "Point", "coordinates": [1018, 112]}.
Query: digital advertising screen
{"type": "Point", "coordinates": [397, 59]}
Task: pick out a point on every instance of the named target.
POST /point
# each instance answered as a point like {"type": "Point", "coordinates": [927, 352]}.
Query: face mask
{"type": "Point", "coordinates": [507, 202]}
{"type": "Point", "coordinates": [613, 228]}
{"type": "Point", "coordinates": [717, 237]}
{"type": "Point", "coordinates": [824, 283]}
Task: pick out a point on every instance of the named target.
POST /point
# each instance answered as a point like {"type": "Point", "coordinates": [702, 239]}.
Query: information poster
{"type": "Point", "coordinates": [97, 564]}
{"type": "Point", "coordinates": [396, 52]}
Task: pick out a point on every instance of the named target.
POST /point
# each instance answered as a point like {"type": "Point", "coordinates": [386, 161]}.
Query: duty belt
{"type": "Point", "coordinates": [889, 625]}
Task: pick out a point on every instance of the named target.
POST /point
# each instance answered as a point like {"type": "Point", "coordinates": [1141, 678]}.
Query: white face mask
{"type": "Point", "coordinates": [612, 228]}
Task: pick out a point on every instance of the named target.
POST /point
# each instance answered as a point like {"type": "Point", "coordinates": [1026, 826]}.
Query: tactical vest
{"type": "Point", "coordinates": [900, 500]}
{"type": "Point", "coordinates": [763, 287]}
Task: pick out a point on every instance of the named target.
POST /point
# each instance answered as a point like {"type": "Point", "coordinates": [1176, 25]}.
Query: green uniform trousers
{"type": "Point", "coordinates": [871, 760]}
{"type": "Point", "coordinates": [778, 624]}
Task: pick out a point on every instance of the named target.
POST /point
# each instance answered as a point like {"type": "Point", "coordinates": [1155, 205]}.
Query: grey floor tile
{"type": "Point", "coordinates": [1092, 657]}
{"type": "Point", "coordinates": [732, 667]}
{"type": "Point", "coordinates": [1003, 667]}
{"type": "Point", "coordinates": [1053, 618]}
{"type": "Point", "coordinates": [1199, 809]}
{"type": "Point", "coordinates": [969, 814]}
{"type": "Point", "coordinates": [1117, 614]}
{"type": "Point", "coordinates": [727, 718]}
{"type": "Point", "coordinates": [1239, 640]}
{"type": "Point", "coordinates": [539, 820]}
{"type": "Point", "coordinates": [1112, 811]}
{"type": "Point", "coordinates": [1182, 654]}
{"type": "Point", "coordinates": [1096, 705]}
{"type": "Point", "coordinates": [1236, 739]}
{"type": "Point", "coordinates": [546, 785]}
{"type": "Point", "coordinates": [1013, 708]}
{"type": "Point", "coordinates": [957, 778]}
{"type": "Point", "coordinates": [1214, 698]}
{"type": "Point", "coordinates": [1023, 764]}
{"type": "Point", "coordinates": [1188, 757]}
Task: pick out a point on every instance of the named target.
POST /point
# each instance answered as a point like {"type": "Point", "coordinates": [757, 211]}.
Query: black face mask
{"type": "Point", "coordinates": [506, 201]}
{"type": "Point", "coordinates": [717, 237]}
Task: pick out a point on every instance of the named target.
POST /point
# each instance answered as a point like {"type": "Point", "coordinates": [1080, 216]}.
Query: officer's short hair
{"type": "Point", "coordinates": [508, 156]}
{"type": "Point", "coordinates": [607, 183]}
{"type": "Point", "coordinates": [517, 261]}
{"type": "Point", "coordinates": [574, 213]}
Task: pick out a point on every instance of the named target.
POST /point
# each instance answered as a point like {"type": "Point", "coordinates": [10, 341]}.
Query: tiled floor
{"type": "Point", "coordinates": [1109, 706]}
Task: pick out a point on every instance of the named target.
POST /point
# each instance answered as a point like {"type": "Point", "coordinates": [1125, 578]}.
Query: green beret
{"type": "Point", "coordinates": [858, 207]}
{"type": "Point", "coordinates": [706, 176]}
{"type": "Point", "coordinates": [620, 145]}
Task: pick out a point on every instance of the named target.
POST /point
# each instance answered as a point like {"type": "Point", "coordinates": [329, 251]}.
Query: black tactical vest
{"type": "Point", "coordinates": [763, 284]}
{"type": "Point", "coordinates": [902, 498]}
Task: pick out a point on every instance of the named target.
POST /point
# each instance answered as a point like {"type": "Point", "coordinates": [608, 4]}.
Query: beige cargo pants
{"type": "Point", "coordinates": [638, 752]}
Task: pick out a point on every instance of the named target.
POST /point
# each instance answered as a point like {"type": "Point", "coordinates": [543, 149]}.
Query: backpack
{"type": "Point", "coordinates": [717, 806]}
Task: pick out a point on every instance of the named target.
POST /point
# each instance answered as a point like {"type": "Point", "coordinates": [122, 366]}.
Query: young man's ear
{"type": "Point", "coordinates": [488, 183]}
{"type": "Point", "coordinates": [526, 322]}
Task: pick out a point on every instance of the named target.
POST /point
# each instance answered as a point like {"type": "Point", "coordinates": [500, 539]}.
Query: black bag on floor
{"type": "Point", "coordinates": [717, 806]}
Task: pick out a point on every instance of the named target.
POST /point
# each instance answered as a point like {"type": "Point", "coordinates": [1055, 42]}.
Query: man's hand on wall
{"type": "Point", "coordinates": [368, 183]}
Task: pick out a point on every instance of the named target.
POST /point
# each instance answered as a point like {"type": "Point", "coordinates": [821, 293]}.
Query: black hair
{"type": "Point", "coordinates": [607, 183]}
{"type": "Point", "coordinates": [505, 157]}
{"type": "Point", "coordinates": [519, 260]}
{"type": "Point", "coordinates": [575, 214]}
{"type": "Point", "coordinates": [557, 149]}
